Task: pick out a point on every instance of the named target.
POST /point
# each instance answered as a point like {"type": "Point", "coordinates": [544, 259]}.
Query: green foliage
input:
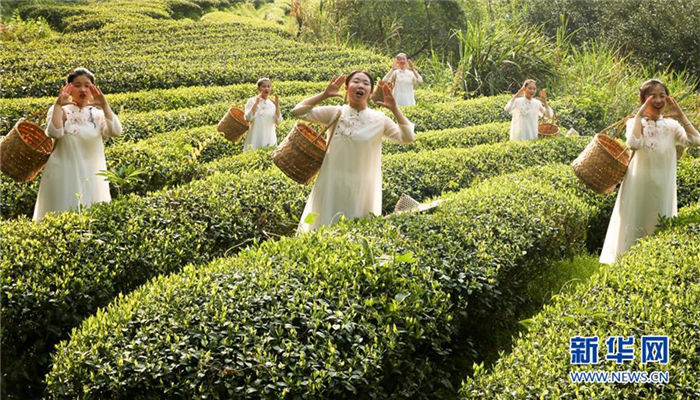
{"type": "Point", "coordinates": [494, 132]}
{"type": "Point", "coordinates": [598, 86]}
{"type": "Point", "coordinates": [274, 11]}
{"type": "Point", "coordinates": [84, 15]}
{"type": "Point", "coordinates": [457, 114]}
{"type": "Point", "coordinates": [433, 172]}
{"type": "Point", "coordinates": [414, 27]}
{"type": "Point", "coordinates": [376, 307]}
{"type": "Point", "coordinates": [166, 54]}
{"type": "Point", "coordinates": [651, 290]}
{"type": "Point", "coordinates": [437, 72]}
{"type": "Point", "coordinates": [231, 208]}
{"type": "Point", "coordinates": [498, 57]}
{"type": "Point", "coordinates": [653, 31]}
{"type": "Point", "coordinates": [688, 180]}
{"type": "Point", "coordinates": [19, 30]}
{"type": "Point", "coordinates": [122, 176]}
{"type": "Point", "coordinates": [56, 272]}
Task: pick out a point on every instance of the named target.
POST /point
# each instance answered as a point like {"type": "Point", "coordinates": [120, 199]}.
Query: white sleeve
{"type": "Point", "coordinates": [546, 111]}
{"type": "Point", "coordinates": [52, 131]}
{"type": "Point", "coordinates": [417, 78]}
{"type": "Point", "coordinates": [388, 76]}
{"type": "Point", "coordinates": [111, 128]}
{"type": "Point", "coordinates": [402, 133]}
{"type": "Point", "coordinates": [682, 138]}
{"type": "Point", "coordinates": [319, 114]}
{"type": "Point", "coordinates": [509, 106]}
{"type": "Point", "coordinates": [632, 142]}
{"type": "Point", "coordinates": [278, 118]}
{"type": "Point", "coordinates": [248, 115]}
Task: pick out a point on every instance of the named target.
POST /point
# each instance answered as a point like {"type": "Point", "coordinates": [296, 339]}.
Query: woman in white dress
{"type": "Point", "coordinates": [349, 182]}
{"type": "Point", "coordinates": [526, 111]}
{"type": "Point", "coordinates": [649, 187]}
{"type": "Point", "coordinates": [405, 79]}
{"type": "Point", "coordinates": [264, 115]}
{"type": "Point", "coordinates": [79, 121]}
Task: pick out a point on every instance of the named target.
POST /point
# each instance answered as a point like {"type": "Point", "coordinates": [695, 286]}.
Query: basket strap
{"type": "Point", "coordinates": [623, 152]}
{"type": "Point", "coordinates": [333, 123]}
{"type": "Point", "coordinates": [616, 124]}
{"type": "Point", "coordinates": [42, 142]}
{"type": "Point", "coordinates": [41, 113]}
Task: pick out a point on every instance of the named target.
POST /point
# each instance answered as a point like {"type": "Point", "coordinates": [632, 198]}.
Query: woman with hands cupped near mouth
{"type": "Point", "coordinates": [526, 111]}
{"type": "Point", "coordinates": [648, 189]}
{"type": "Point", "coordinates": [264, 115]}
{"type": "Point", "coordinates": [349, 182]}
{"type": "Point", "coordinates": [79, 121]}
{"type": "Point", "coordinates": [405, 78]}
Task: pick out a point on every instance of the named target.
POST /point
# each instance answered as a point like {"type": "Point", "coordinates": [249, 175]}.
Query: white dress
{"type": "Point", "coordinates": [262, 131]}
{"type": "Point", "coordinates": [526, 113]}
{"type": "Point", "coordinates": [70, 176]}
{"type": "Point", "coordinates": [349, 182]}
{"type": "Point", "coordinates": [649, 187]}
{"type": "Point", "coordinates": [404, 83]}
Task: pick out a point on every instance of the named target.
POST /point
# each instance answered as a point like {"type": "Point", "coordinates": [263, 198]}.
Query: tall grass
{"type": "Point", "coordinates": [604, 84]}
{"type": "Point", "coordinates": [499, 56]}
{"type": "Point", "coordinates": [436, 71]}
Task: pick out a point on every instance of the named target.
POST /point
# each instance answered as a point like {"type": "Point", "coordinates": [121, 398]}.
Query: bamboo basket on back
{"type": "Point", "coordinates": [26, 149]}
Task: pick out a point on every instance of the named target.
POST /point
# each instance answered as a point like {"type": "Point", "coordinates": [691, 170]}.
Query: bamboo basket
{"type": "Point", "coordinates": [233, 125]}
{"type": "Point", "coordinates": [548, 129]}
{"type": "Point", "coordinates": [603, 164]}
{"type": "Point", "coordinates": [301, 153]}
{"type": "Point", "coordinates": [26, 149]}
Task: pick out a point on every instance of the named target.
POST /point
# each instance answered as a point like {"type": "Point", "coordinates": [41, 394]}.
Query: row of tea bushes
{"type": "Point", "coordinates": [458, 114]}
{"type": "Point", "coordinates": [376, 308]}
{"type": "Point", "coordinates": [652, 290]}
{"type": "Point", "coordinates": [167, 157]}
{"type": "Point", "coordinates": [184, 97]}
{"type": "Point", "coordinates": [167, 54]}
{"type": "Point", "coordinates": [454, 114]}
{"type": "Point", "coordinates": [160, 99]}
{"type": "Point", "coordinates": [178, 157]}
{"type": "Point", "coordinates": [57, 272]}
{"type": "Point", "coordinates": [454, 138]}
{"type": "Point", "coordinates": [89, 15]}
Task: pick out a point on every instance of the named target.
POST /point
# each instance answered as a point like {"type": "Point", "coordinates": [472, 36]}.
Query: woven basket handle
{"type": "Point", "coordinates": [41, 113]}
{"type": "Point", "coordinates": [42, 142]}
{"type": "Point", "coordinates": [623, 152]}
{"type": "Point", "coordinates": [333, 123]}
{"type": "Point", "coordinates": [42, 117]}
{"type": "Point", "coordinates": [617, 124]}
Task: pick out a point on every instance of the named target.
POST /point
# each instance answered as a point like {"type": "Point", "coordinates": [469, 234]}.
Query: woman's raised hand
{"type": "Point", "coordinates": [97, 96]}
{"type": "Point", "coordinates": [389, 101]}
{"type": "Point", "coordinates": [64, 94]}
{"type": "Point", "coordinates": [642, 110]}
{"type": "Point", "coordinates": [334, 86]}
{"type": "Point", "coordinates": [674, 110]}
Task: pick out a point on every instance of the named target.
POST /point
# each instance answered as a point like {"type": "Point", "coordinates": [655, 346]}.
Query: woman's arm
{"type": "Point", "coordinates": [404, 132]}
{"type": "Point", "coordinates": [307, 104]}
